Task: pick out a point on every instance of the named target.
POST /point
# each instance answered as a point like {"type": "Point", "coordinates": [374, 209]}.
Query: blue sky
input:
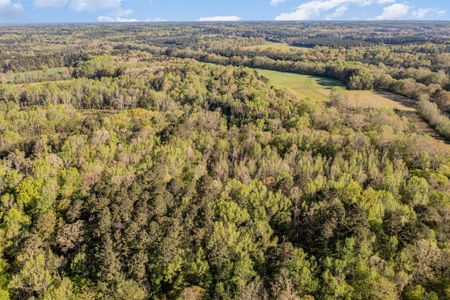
{"type": "Point", "coordinates": [49, 11]}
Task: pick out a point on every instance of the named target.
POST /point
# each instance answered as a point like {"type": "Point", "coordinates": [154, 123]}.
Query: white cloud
{"type": "Point", "coordinates": [123, 16]}
{"type": "Point", "coordinates": [440, 13]}
{"type": "Point", "coordinates": [49, 3]}
{"type": "Point", "coordinates": [420, 13]}
{"type": "Point", "coordinates": [429, 13]}
{"type": "Point", "coordinates": [92, 5]}
{"type": "Point", "coordinates": [220, 19]}
{"type": "Point", "coordinates": [276, 2]}
{"type": "Point", "coordinates": [338, 12]}
{"type": "Point", "coordinates": [115, 19]}
{"type": "Point", "coordinates": [10, 9]}
{"type": "Point", "coordinates": [118, 16]}
{"type": "Point", "coordinates": [394, 12]}
{"type": "Point", "coordinates": [157, 19]}
{"type": "Point", "coordinates": [331, 9]}
{"type": "Point", "coordinates": [80, 5]}
{"type": "Point", "coordinates": [315, 8]}
{"type": "Point", "coordinates": [114, 10]}
{"type": "Point", "coordinates": [124, 12]}
{"type": "Point", "coordinates": [109, 19]}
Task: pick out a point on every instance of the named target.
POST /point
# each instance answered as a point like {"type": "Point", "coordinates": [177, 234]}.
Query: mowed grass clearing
{"type": "Point", "coordinates": [319, 89]}
{"type": "Point", "coordinates": [304, 86]}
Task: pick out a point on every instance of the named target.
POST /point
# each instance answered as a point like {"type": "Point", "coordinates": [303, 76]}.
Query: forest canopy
{"type": "Point", "coordinates": [149, 162]}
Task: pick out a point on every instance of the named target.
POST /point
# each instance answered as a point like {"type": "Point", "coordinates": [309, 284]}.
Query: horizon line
{"type": "Point", "coordinates": [218, 22]}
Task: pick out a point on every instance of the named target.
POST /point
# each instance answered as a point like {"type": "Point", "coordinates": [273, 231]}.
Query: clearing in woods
{"type": "Point", "coordinates": [304, 86]}
{"type": "Point", "coordinates": [319, 88]}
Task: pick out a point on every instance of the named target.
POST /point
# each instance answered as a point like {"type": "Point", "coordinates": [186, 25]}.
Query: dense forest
{"type": "Point", "coordinates": [152, 161]}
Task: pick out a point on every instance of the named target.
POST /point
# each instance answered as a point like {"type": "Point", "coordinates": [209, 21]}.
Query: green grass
{"type": "Point", "coordinates": [319, 89]}
{"type": "Point", "coordinates": [304, 86]}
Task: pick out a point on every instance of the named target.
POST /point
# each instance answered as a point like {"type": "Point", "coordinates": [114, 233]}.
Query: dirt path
{"type": "Point", "coordinates": [407, 107]}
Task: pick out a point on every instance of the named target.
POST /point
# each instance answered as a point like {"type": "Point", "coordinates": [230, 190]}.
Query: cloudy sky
{"type": "Point", "coordinates": [57, 11]}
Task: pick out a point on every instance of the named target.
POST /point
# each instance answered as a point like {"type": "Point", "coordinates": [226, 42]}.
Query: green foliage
{"type": "Point", "coordinates": [34, 277]}
{"type": "Point", "coordinates": [293, 264]}
{"type": "Point", "coordinates": [97, 67]}
{"type": "Point", "coordinates": [63, 291]}
{"type": "Point", "coordinates": [431, 112]}
{"type": "Point", "coordinates": [416, 191]}
{"type": "Point", "coordinates": [195, 181]}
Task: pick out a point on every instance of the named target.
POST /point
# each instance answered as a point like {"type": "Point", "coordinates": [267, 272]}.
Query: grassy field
{"type": "Point", "coordinates": [319, 88]}
{"type": "Point", "coordinates": [378, 99]}
{"type": "Point", "coordinates": [304, 86]}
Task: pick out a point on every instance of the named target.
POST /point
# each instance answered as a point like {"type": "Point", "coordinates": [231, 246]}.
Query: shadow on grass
{"type": "Point", "coordinates": [327, 83]}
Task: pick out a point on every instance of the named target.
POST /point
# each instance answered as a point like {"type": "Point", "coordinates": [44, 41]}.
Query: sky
{"type": "Point", "coordinates": [82, 11]}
